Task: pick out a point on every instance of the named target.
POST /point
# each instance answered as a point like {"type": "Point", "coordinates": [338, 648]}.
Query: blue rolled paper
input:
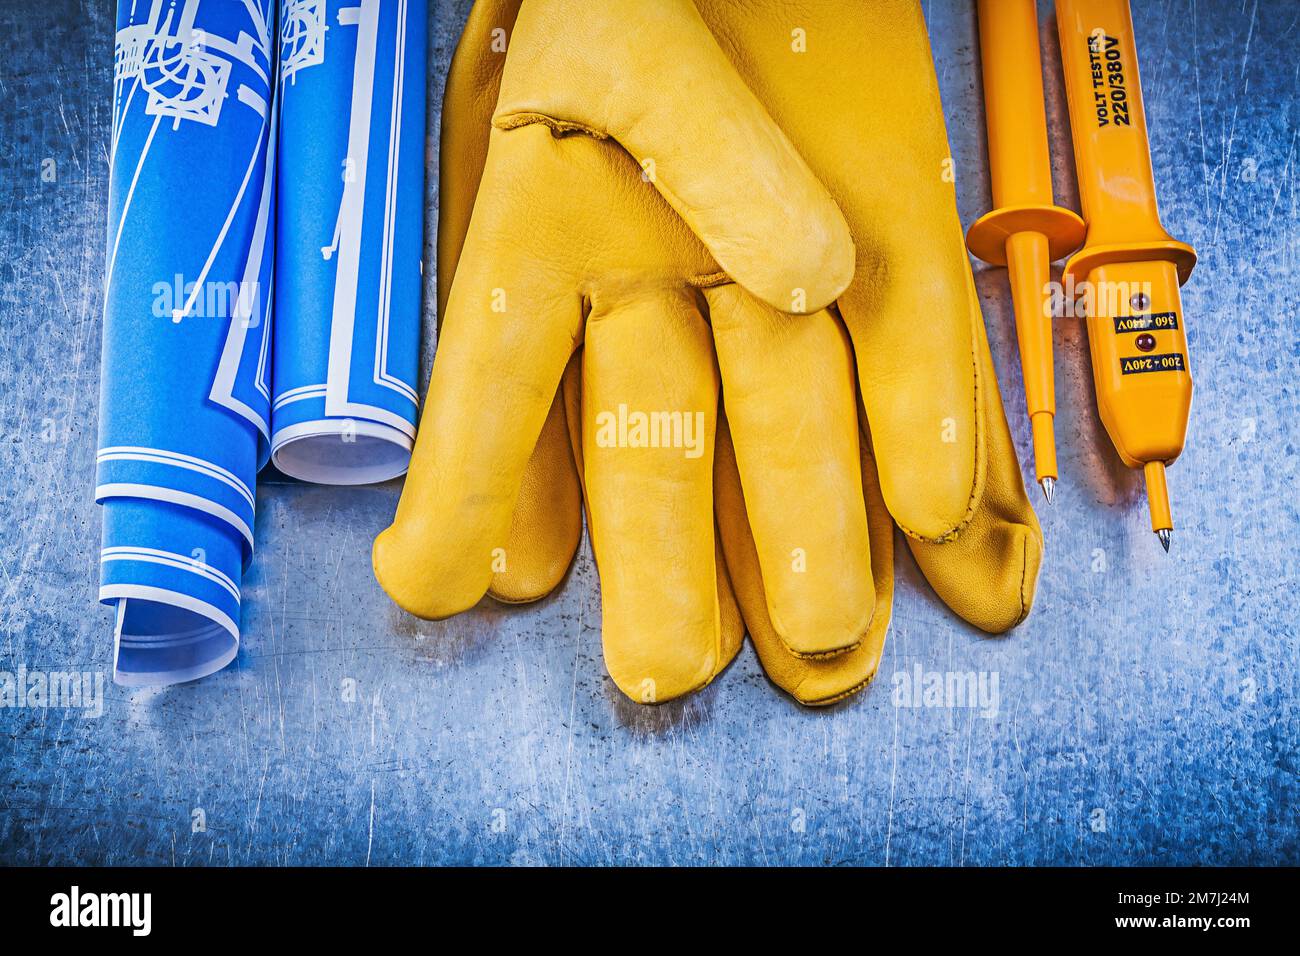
{"type": "Point", "coordinates": [185, 401]}
{"type": "Point", "coordinates": [349, 238]}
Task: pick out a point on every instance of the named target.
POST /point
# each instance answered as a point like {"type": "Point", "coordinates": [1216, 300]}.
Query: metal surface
{"type": "Point", "coordinates": [1145, 713]}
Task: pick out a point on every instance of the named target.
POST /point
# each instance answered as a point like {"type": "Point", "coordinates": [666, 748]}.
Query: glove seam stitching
{"type": "Point", "coordinates": [971, 501]}
{"type": "Point", "coordinates": [842, 695]}
{"type": "Point", "coordinates": [1024, 578]}
{"type": "Point", "coordinates": [511, 121]}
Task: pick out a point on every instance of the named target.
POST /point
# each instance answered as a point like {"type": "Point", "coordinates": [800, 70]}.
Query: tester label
{"type": "Point", "coordinates": [1156, 321]}
{"type": "Point", "coordinates": [1173, 362]}
{"type": "Point", "coordinates": [1109, 83]}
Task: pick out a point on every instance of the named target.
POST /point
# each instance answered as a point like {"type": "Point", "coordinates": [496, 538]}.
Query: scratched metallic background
{"type": "Point", "coordinates": [1148, 708]}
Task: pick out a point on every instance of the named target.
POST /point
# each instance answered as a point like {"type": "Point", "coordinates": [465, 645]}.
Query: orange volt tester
{"type": "Point", "coordinates": [1129, 268]}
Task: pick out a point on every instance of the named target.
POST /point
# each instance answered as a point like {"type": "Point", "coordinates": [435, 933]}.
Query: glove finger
{"type": "Point", "coordinates": [547, 521]}
{"type": "Point", "coordinates": [989, 573]}
{"type": "Point", "coordinates": [923, 397]}
{"type": "Point", "coordinates": [652, 76]}
{"type": "Point", "coordinates": [649, 494]}
{"type": "Point", "coordinates": [811, 681]}
{"type": "Point", "coordinates": [511, 324]}
{"type": "Point", "coordinates": [732, 624]}
{"type": "Point", "coordinates": [791, 405]}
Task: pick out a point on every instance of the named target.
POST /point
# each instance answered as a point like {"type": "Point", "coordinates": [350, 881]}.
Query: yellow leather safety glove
{"type": "Point", "coordinates": [987, 573]}
{"type": "Point", "coordinates": [597, 232]}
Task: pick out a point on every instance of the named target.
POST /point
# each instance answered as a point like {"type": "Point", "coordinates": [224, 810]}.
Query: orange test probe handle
{"type": "Point", "coordinates": [1026, 230]}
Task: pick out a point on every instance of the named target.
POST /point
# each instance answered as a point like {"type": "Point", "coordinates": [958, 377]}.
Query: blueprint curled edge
{"type": "Point", "coordinates": [349, 238]}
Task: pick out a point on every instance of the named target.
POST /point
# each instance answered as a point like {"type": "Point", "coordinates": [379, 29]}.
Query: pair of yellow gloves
{"type": "Point", "coordinates": [700, 267]}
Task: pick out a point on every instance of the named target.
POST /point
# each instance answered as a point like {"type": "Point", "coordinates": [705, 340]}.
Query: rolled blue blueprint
{"type": "Point", "coordinates": [349, 239]}
{"type": "Point", "coordinates": [185, 386]}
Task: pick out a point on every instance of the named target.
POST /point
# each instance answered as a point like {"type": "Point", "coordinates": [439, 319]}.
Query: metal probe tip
{"type": "Point", "coordinates": [1049, 488]}
{"type": "Point", "coordinates": [1163, 535]}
